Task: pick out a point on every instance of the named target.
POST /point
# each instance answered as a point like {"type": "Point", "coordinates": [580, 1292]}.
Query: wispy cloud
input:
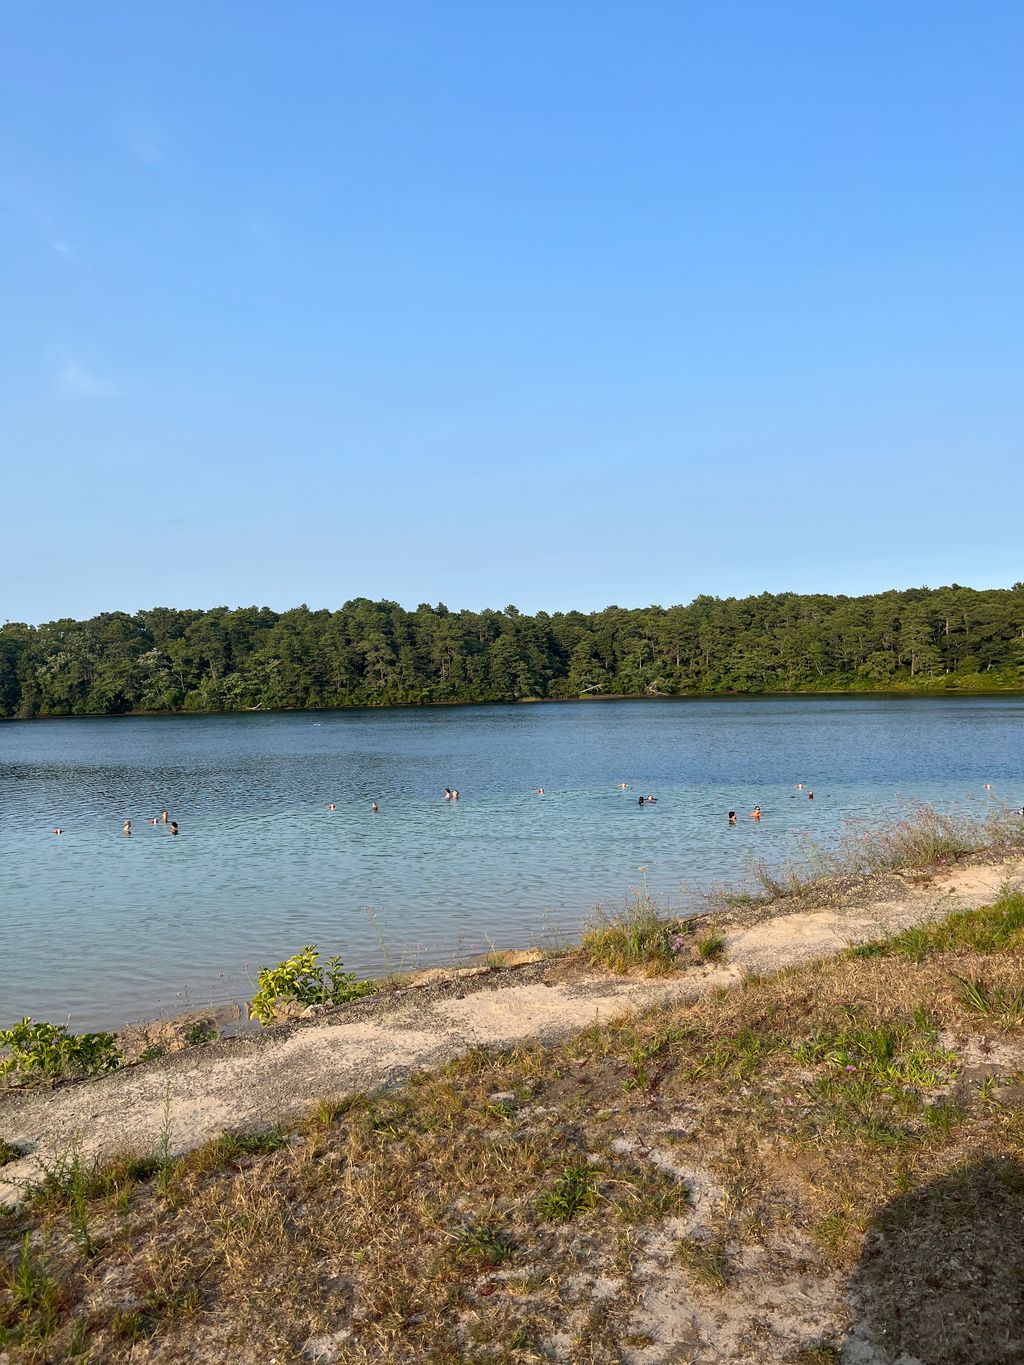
{"type": "Point", "coordinates": [25, 208]}
{"type": "Point", "coordinates": [75, 378]}
{"type": "Point", "coordinates": [142, 131]}
{"type": "Point", "coordinates": [55, 240]}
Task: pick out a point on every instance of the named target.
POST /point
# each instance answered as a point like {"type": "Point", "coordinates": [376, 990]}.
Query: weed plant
{"type": "Point", "coordinates": [637, 934]}
{"type": "Point", "coordinates": [303, 978]}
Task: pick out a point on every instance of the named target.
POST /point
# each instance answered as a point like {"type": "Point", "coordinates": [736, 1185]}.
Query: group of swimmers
{"type": "Point", "coordinates": [162, 819]}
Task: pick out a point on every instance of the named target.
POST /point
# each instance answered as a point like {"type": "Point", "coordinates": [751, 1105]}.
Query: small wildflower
{"type": "Point", "coordinates": [849, 1068]}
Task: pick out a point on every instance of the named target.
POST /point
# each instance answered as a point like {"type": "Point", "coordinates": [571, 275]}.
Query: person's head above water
{"type": "Point", "coordinates": [174, 826]}
{"type": "Point", "coordinates": [732, 817]}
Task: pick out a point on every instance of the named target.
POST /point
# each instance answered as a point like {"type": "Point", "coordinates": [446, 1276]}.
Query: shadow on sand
{"type": "Point", "coordinates": [941, 1276]}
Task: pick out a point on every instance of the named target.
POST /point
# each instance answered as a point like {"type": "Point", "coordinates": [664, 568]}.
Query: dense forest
{"type": "Point", "coordinates": [376, 653]}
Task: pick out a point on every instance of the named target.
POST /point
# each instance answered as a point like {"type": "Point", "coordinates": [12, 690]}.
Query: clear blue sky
{"type": "Point", "coordinates": [555, 304]}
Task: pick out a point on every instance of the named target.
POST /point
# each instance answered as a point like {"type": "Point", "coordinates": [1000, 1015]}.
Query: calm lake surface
{"type": "Point", "coordinates": [106, 928]}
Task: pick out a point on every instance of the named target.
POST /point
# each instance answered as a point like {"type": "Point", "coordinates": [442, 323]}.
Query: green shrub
{"type": "Point", "coordinates": [41, 1049]}
{"type": "Point", "coordinates": [304, 979]}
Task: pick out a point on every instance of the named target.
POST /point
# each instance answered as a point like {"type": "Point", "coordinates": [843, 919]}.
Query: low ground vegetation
{"type": "Point", "coordinates": [643, 935]}
{"type": "Point", "coordinates": [925, 841]}
{"type": "Point", "coordinates": [835, 1153]}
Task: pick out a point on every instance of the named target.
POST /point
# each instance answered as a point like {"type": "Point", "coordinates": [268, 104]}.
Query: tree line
{"type": "Point", "coordinates": [377, 653]}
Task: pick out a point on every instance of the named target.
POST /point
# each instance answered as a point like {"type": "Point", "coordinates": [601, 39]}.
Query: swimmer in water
{"type": "Point", "coordinates": [331, 806]}
{"type": "Point", "coordinates": [164, 817]}
{"type": "Point", "coordinates": [623, 786]}
{"type": "Point", "coordinates": [540, 791]}
{"type": "Point", "coordinates": [455, 793]}
{"type": "Point", "coordinates": [58, 831]}
{"type": "Point", "coordinates": [643, 800]}
{"type": "Point", "coordinates": [755, 814]}
{"type": "Point", "coordinates": [374, 807]}
{"type": "Point", "coordinates": [732, 817]}
{"type": "Point", "coordinates": [651, 800]}
{"type": "Point", "coordinates": [174, 826]}
{"type": "Point", "coordinates": [126, 828]}
{"type": "Point", "coordinates": [154, 821]}
{"type": "Point", "coordinates": [447, 793]}
{"type": "Point", "coordinates": [810, 796]}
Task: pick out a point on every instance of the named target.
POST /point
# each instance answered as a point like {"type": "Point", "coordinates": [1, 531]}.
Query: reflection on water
{"type": "Point", "coordinates": [107, 927]}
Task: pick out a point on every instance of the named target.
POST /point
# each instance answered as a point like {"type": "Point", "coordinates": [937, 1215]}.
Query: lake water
{"type": "Point", "coordinates": [106, 928]}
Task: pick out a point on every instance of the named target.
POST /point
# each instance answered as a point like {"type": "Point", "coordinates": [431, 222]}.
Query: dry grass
{"type": "Point", "coordinates": [925, 840]}
{"type": "Point", "coordinates": [509, 1207]}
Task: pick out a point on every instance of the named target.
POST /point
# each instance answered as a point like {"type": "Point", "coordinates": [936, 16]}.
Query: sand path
{"type": "Point", "coordinates": [278, 1074]}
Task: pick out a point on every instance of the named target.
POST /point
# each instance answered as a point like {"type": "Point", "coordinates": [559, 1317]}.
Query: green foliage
{"type": "Point", "coordinates": [8, 1152]}
{"type": "Point", "coordinates": [303, 978]}
{"type": "Point", "coordinates": [29, 1299]}
{"type": "Point", "coordinates": [481, 1244]}
{"type": "Point", "coordinates": [888, 1054]}
{"type": "Point", "coordinates": [50, 1051]}
{"type": "Point", "coordinates": [990, 929]}
{"type": "Point", "coordinates": [377, 654]}
{"type": "Point", "coordinates": [635, 934]}
{"type": "Point", "coordinates": [1005, 1006]}
{"type": "Point", "coordinates": [573, 1192]}
{"type": "Point", "coordinates": [711, 947]}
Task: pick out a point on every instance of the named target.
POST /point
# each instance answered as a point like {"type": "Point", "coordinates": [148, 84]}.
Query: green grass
{"type": "Point", "coordinates": [711, 947]}
{"type": "Point", "coordinates": [991, 929]}
{"type": "Point", "coordinates": [635, 934]}
{"type": "Point", "coordinates": [484, 1244]}
{"type": "Point", "coordinates": [1003, 1006]}
{"type": "Point", "coordinates": [8, 1152]}
{"type": "Point", "coordinates": [575, 1191]}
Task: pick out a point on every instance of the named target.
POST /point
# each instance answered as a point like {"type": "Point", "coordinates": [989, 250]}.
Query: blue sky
{"type": "Point", "coordinates": [554, 304]}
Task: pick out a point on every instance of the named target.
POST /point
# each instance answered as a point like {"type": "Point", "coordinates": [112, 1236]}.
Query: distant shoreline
{"type": "Point", "coordinates": [790, 694]}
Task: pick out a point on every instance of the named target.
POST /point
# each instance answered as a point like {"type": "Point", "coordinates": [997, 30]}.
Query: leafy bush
{"type": "Point", "coordinates": [304, 979]}
{"type": "Point", "coordinates": [41, 1049]}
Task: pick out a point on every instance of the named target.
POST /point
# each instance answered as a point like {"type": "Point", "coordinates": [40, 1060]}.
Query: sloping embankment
{"type": "Point", "coordinates": [277, 1075]}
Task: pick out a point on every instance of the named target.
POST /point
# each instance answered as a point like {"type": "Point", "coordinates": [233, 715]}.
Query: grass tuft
{"type": "Point", "coordinates": [637, 934]}
{"type": "Point", "coordinates": [573, 1192]}
{"type": "Point", "coordinates": [704, 1261]}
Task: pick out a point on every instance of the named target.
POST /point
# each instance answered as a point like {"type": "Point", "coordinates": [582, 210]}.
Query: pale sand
{"type": "Point", "coordinates": [277, 1075]}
